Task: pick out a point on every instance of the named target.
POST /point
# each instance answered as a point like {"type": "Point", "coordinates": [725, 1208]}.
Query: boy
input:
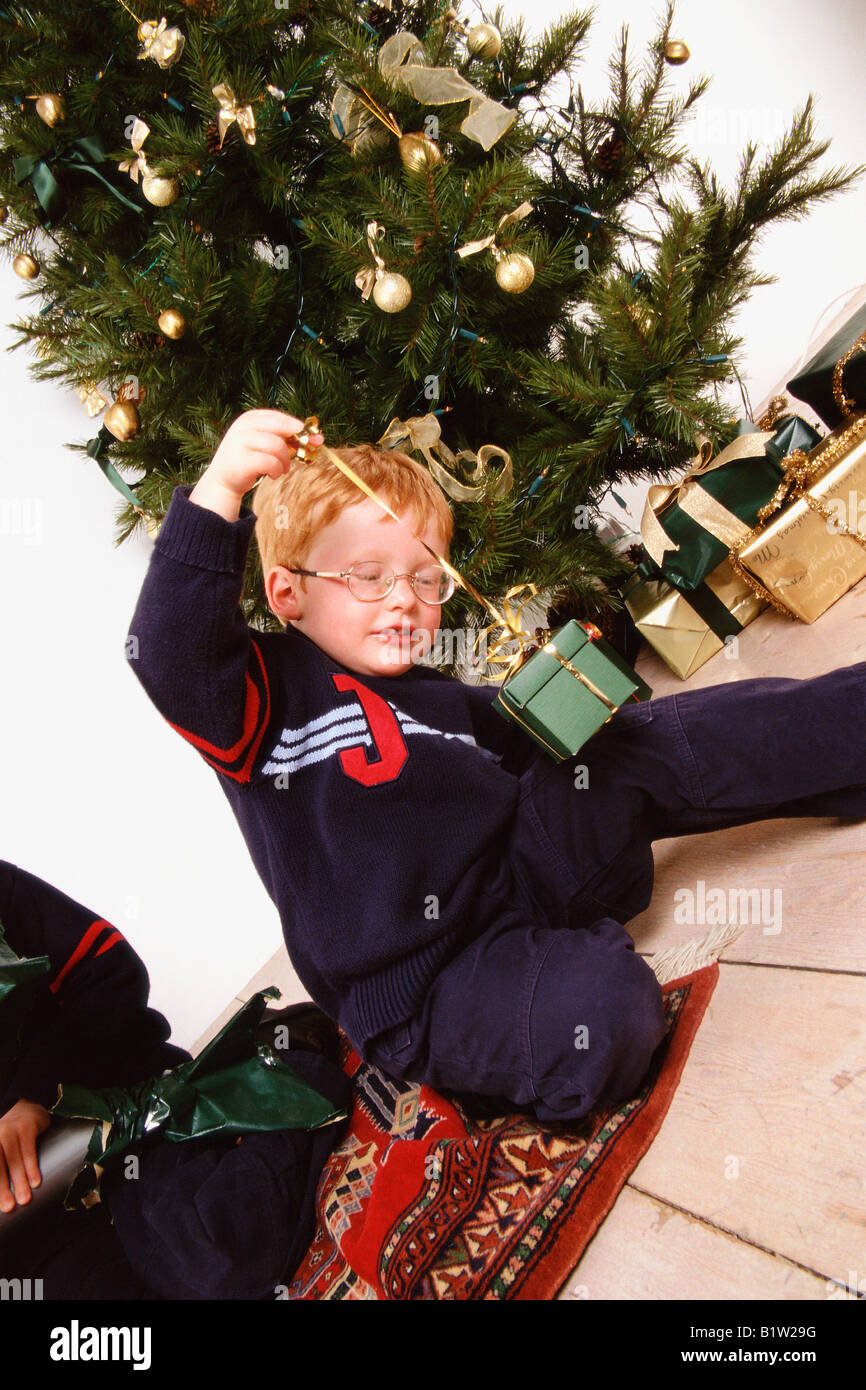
{"type": "Point", "coordinates": [449, 894]}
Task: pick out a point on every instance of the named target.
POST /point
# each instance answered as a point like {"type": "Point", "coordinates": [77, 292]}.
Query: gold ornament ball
{"type": "Point", "coordinates": [676, 52]}
{"type": "Point", "coordinates": [26, 266]}
{"type": "Point", "coordinates": [51, 108]}
{"type": "Point", "coordinates": [122, 420]}
{"type": "Point", "coordinates": [392, 292]}
{"type": "Point", "coordinates": [159, 189]}
{"type": "Point", "coordinates": [418, 152]}
{"type": "Point", "coordinates": [515, 272]}
{"type": "Point", "coordinates": [484, 41]}
{"type": "Point", "coordinates": [172, 323]}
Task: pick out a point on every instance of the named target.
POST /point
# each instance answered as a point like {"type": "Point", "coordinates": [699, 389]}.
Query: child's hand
{"type": "Point", "coordinates": [256, 443]}
{"type": "Point", "coordinates": [19, 1169]}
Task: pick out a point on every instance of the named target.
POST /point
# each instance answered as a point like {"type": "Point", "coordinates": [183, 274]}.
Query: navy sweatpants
{"type": "Point", "coordinates": [559, 1016]}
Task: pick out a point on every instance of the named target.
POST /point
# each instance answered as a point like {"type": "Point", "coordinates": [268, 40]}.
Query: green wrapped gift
{"type": "Point", "coordinates": [814, 384]}
{"type": "Point", "coordinates": [561, 703]}
{"type": "Point", "coordinates": [688, 527]}
{"type": "Point", "coordinates": [234, 1086]}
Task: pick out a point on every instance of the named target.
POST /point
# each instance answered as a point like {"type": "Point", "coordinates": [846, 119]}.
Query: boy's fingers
{"type": "Point", "coordinates": [277, 421]}
{"type": "Point", "coordinates": [31, 1161]}
{"type": "Point", "coordinates": [7, 1201]}
{"type": "Point", "coordinates": [17, 1175]}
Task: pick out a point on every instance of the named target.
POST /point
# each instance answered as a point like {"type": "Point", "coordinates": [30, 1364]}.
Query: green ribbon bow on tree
{"type": "Point", "coordinates": [81, 153]}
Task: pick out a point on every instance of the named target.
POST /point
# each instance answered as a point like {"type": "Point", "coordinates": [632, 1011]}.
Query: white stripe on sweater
{"type": "Point", "coordinates": [324, 736]}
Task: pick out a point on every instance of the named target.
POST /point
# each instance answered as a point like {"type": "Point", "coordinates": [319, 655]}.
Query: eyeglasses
{"type": "Point", "coordinates": [369, 580]}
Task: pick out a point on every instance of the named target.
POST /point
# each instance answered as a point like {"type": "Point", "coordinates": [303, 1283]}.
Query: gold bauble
{"type": "Point", "coordinates": [676, 52]}
{"type": "Point", "coordinates": [484, 41]}
{"type": "Point", "coordinates": [160, 189]}
{"type": "Point", "coordinates": [515, 272]}
{"type": "Point", "coordinates": [172, 323]}
{"type": "Point", "coordinates": [26, 266]}
{"type": "Point", "coordinates": [122, 419]}
{"type": "Point", "coordinates": [392, 292]}
{"type": "Point", "coordinates": [418, 152]}
{"type": "Point", "coordinates": [51, 108]}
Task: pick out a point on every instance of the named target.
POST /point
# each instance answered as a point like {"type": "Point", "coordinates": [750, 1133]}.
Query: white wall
{"type": "Point", "coordinates": [101, 797]}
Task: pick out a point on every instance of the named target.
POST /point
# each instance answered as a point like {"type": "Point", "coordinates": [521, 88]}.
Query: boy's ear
{"type": "Point", "coordinates": [282, 589]}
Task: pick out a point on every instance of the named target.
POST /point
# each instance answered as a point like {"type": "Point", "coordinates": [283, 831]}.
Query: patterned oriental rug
{"type": "Point", "coordinates": [434, 1196]}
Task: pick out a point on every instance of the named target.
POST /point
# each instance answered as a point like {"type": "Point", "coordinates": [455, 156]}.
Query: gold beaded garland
{"type": "Point", "coordinates": [515, 272]}
{"type": "Point", "coordinates": [26, 266]}
{"type": "Point", "coordinates": [676, 52]}
{"type": "Point", "coordinates": [172, 323]}
{"type": "Point", "coordinates": [484, 41]}
{"type": "Point", "coordinates": [392, 292]}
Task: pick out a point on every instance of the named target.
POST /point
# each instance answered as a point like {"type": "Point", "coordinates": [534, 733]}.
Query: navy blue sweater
{"type": "Point", "coordinates": [376, 809]}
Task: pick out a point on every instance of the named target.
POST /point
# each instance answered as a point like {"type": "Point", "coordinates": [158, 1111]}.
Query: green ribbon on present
{"type": "Point", "coordinates": [706, 604]}
{"type": "Point", "coordinates": [81, 153]}
{"type": "Point", "coordinates": [234, 1086]}
{"type": "Point", "coordinates": [20, 978]}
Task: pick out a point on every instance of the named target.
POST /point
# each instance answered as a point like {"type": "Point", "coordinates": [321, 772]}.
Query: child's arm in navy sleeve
{"type": "Point", "coordinates": [91, 1022]}
{"type": "Point", "coordinates": [500, 735]}
{"type": "Point", "coordinates": [189, 643]}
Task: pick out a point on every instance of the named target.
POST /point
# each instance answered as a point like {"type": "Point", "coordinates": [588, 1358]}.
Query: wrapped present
{"type": "Point", "coordinates": [689, 526]}
{"type": "Point", "coordinates": [811, 549]}
{"type": "Point", "coordinates": [687, 627]}
{"type": "Point", "coordinates": [833, 383]}
{"type": "Point", "coordinates": [568, 689]}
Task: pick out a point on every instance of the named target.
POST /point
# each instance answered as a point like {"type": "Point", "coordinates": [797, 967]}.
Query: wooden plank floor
{"type": "Point", "coordinates": [755, 1186]}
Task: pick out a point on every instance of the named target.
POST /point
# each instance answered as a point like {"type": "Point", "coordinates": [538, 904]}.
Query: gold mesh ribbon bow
{"type": "Point", "coordinates": [367, 277]}
{"type": "Point", "coordinates": [424, 433]}
{"type": "Point", "coordinates": [230, 111]}
{"type": "Point", "coordinates": [161, 43]}
{"type": "Point", "coordinates": [471, 247]}
{"type": "Point", "coordinates": [403, 62]}
{"type": "Point", "coordinates": [137, 164]}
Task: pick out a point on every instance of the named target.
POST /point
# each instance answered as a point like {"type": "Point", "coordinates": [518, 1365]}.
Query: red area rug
{"type": "Point", "coordinates": [429, 1197]}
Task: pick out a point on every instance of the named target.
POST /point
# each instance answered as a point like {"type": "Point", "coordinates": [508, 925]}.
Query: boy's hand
{"type": "Point", "coordinates": [258, 442]}
{"type": "Point", "coordinates": [19, 1170]}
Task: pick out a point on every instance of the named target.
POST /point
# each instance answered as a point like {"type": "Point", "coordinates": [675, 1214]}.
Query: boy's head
{"type": "Point", "coordinates": [315, 518]}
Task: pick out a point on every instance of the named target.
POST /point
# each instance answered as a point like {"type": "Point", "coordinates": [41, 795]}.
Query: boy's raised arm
{"type": "Point", "coordinates": [189, 643]}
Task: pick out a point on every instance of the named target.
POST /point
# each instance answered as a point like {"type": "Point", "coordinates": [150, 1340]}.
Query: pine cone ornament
{"type": "Point", "coordinates": [608, 156]}
{"type": "Point", "coordinates": [212, 138]}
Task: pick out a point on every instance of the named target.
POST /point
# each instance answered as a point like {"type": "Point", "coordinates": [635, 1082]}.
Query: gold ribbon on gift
{"type": "Point", "coordinates": [230, 111]}
{"type": "Point", "coordinates": [138, 164]}
{"type": "Point", "coordinates": [691, 498]}
{"type": "Point", "coordinates": [369, 274]}
{"type": "Point", "coordinates": [799, 470]}
{"type": "Point", "coordinates": [423, 432]}
{"type": "Point", "coordinates": [161, 43]}
{"type": "Point", "coordinates": [403, 62]}
{"type": "Point", "coordinates": [471, 247]}
{"type": "Point", "coordinates": [509, 620]}
{"type": "Point", "coordinates": [845, 404]}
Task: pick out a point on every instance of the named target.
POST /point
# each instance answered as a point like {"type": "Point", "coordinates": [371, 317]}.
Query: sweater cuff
{"type": "Point", "coordinates": [197, 536]}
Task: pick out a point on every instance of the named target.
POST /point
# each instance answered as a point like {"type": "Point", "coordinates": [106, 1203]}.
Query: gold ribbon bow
{"type": "Point", "coordinates": [695, 500]}
{"type": "Point", "coordinates": [230, 111]}
{"type": "Point", "coordinates": [424, 433]}
{"type": "Point", "coordinates": [138, 164]}
{"type": "Point", "coordinates": [403, 62]}
{"type": "Point", "coordinates": [470, 247]}
{"type": "Point", "coordinates": [509, 620]}
{"type": "Point", "coordinates": [161, 43]}
{"type": "Point", "coordinates": [367, 277]}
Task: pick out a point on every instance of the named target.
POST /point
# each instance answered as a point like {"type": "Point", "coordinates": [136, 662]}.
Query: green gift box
{"type": "Point", "coordinates": [701, 523]}
{"type": "Point", "coordinates": [557, 704]}
{"type": "Point", "coordinates": [814, 383]}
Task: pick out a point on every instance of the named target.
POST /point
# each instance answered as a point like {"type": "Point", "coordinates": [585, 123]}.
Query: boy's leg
{"type": "Point", "coordinates": [682, 764]}
{"type": "Point", "coordinates": [553, 1020]}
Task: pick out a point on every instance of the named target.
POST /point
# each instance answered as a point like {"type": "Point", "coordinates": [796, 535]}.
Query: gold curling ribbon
{"type": "Point", "coordinates": [508, 619]}
{"type": "Point", "coordinates": [161, 43]}
{"type": "Point", "coordinates": [230, 111]}
{"type": "Point", "coordinates": [470, 247]}
{"type": "Point", "coordinates": [423, 432]}
{"type": "Point", "coordinates": [369, 274]}
{"type": "Point", "coordinates": [694, 500]}
{"type": "Point", "coordinates": [138, 164]}
{"type": "Point", "coordinates": [403, 61]}
{"type": "Point", "coordinates": [800, 469]}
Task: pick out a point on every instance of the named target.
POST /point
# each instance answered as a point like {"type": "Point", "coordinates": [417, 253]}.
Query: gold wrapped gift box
{"type": "Point", "coordinates": [801, 557]}
{"type": "Point", "coordinates": [666, 619]}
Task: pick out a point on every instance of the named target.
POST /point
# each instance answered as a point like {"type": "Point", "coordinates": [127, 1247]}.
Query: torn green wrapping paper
{"type": "Point", "coordinates": [234, 1086]}
{"type": "Point", "coordinates": [20, 978]}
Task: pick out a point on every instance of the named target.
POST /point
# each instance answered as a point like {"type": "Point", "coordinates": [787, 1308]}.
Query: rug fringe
{"type": "Point", "coordinates": [692, 955]}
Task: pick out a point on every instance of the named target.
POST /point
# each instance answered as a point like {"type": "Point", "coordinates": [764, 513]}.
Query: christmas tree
{"type": "Point", "coordinates": [410, 225]}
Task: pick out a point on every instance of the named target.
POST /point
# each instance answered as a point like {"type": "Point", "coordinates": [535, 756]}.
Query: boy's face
{"type": "Point", "coordinates": [348, 628]}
